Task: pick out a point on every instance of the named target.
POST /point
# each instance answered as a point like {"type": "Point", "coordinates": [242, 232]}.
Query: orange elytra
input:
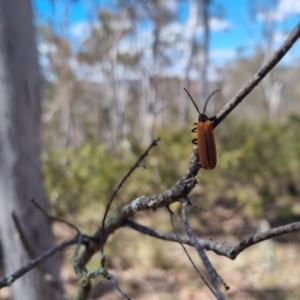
{"type": "Point", "coordinates": [205, 140]}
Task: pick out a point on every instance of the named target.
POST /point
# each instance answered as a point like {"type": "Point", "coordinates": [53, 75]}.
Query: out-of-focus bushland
{"type": "Point", "coordinates": [258, 171]}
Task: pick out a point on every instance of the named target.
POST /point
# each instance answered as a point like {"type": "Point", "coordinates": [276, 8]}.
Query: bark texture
{"type": "Point", "coordinates": [20, 148]}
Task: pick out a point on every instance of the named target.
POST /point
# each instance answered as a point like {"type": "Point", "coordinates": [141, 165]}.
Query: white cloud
{"type": "Point", "coordinates": [80, 30]}
{"type": "Point", "coordinates": [215, 25]}
{"type": "Point", "coordinates": [219, 24]}
{"type": "Point", "coordinates": [284, 9]}
{"type": "Point", "coordinates": [222, 54]}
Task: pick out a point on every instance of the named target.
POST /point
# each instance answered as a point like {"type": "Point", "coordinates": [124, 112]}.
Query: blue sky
{"type": "Point", "coordinates": [234, 10]}
{"type": "Point", "coordinates": [236, 29]}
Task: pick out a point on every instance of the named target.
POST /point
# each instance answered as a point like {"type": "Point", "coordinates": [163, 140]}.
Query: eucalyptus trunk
{"type": "Point", "coordinates": [20, 149]}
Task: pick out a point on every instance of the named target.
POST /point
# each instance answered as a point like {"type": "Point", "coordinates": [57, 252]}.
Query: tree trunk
{"type": "Point", "coordinates": [188, 57]}
{"type": "Point", "coordinates": [204, 53]}
{"type": "Point", "coordinates": [20, 148]}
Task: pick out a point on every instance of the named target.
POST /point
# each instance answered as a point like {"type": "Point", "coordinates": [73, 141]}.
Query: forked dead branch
{"type": "Point", "coordinates": [179, 190]}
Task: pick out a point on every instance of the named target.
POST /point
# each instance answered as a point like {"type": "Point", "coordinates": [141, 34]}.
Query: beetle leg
{"type": "Point", "coordinates": [194, 130]}
{"type": "Point", "coordinates": [194, 141]}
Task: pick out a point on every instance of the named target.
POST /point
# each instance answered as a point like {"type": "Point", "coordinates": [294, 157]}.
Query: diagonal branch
{"type": "Point", "coordinates": [260, 237]}
{"type": "Point", "coordinates": [212, 273]}
{"type": "Point", "coordinates": [11, 278]}
{"type": "Point", "coordinates": [259, 75]}
{"type": "Point", "coordinates": [172, 214]}
{"type": "Point", "coordinates": [219, 248]}
{"type": "Point", "coordinates": [138, 163]}
{"type": "Point", "coordinates": [76, 267]}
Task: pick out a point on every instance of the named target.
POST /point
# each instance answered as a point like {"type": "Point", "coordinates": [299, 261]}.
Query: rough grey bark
{"type": "Point", "coordinates": [20, 167]}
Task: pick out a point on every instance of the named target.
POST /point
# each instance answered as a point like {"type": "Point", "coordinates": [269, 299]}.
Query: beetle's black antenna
{"type": "Point", "coordinates": [208, 98]}
{"type": "Point", "coordinates": [193, 101]}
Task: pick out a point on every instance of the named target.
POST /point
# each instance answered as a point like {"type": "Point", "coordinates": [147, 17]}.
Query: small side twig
{"type": "Point", "coordinates": [172, 214]}
{"type": "Point", "coordinates": [195, 206]}
{"type": "Point", "coordinates": [104, 273]}
{"type": "Point", "coordinates": [112, 279]}
{"type": "Point", "coordinates": [55, 218]}
{"type": "Point", "coordinates": [212, 273]}
{"type": "Point", "coordinates": [76, 267]}
{"type": "Point", "coordinates": [138, 162]}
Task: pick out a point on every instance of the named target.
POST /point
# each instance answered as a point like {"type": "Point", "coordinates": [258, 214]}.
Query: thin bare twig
{"type": "Point", "coordinates": [219, 248]}
{"type": "Point", "coordinates": [198, 207]}
{"type": "Point", "coordinates": [259, 75]}
{"type": "Point", "coordinates": [53, 217]}
{"type": "Point", "coordinates": [76, 267]}
{"type": "Point", "coordinates": [104, 273]}
{"type": "Point", "coordinates": [233, 252]}
{"type": "Point", "coordinates": [32, 253]}
{"type": "Point", "coordinates": [112, 279]}
{"type": "Point", "coordinates": [136, 165]}
{"type": "Point", "coordinates": [172, 214]}
{"type": "Point", "coordinates": [9, 279]}
{"type": "Point", "coordinates": [212, 273]}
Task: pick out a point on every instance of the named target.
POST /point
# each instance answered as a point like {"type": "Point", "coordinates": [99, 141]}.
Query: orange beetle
{"type": "Point", "coordinates": [205, 140]}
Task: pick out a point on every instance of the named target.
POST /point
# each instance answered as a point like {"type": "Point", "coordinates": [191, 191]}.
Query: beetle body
{"type": "Point", "coordinates": [205, 140]}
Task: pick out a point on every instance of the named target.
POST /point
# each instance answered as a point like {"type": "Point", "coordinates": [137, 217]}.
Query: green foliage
{"type": "Point", "coordinates": [75, 178]}
{"type": "Point", "coordinates": [258, 168]}
{"type": "Point", "coordinates": [78, 178]}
